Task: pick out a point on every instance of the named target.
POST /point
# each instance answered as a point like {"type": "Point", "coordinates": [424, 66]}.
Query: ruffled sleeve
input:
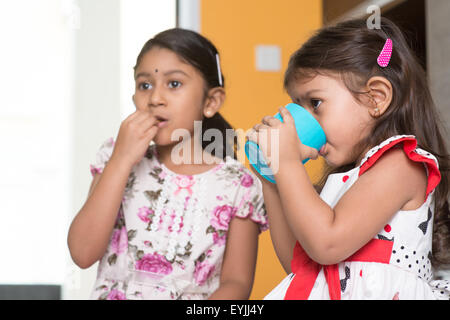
{"type": "Point", "coordinates": [102, 156]}
{"type": "Point", "coordinates": [250, 203]}
{"type": "Point", "coordinates": [409, 146]}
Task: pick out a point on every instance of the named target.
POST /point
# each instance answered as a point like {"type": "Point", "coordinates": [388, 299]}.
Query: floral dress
{"type": "Point", "coordinates": [169, 238]}
{"type": "Point", "coordinates": [394, 265]}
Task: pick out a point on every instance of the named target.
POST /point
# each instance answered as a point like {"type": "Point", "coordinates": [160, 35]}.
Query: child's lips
{"type": "Point", "coordinates": [161, 121]}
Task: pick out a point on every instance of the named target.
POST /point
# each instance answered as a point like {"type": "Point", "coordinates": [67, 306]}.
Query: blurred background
{"type": "Point", "coordinates": [66, 81]}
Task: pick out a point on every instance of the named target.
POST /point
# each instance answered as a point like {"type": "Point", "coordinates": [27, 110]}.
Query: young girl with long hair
{"type": "Point", "coordinates": [380, 224]}
{"type": "Point", "coordinates": [164, 228]}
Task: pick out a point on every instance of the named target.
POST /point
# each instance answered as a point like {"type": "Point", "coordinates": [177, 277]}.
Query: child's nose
{"type": "Point", "coordinates": [156, 97]}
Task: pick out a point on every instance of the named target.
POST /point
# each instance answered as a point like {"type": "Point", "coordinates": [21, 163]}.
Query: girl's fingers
{"type": "Point", "coordinates": [260, 126]}
{"type": "Point", "coordinates": [270, 121]}
{"type": "Point", "coordinates": [151, 132]}
{"type": "Point", "coordinates": [252, 135]}
{"type": "Point", "coordinates": [286, 115]}
{"type": "Point", "coordinates": [146, 119]}
{"type": "Point", "coordinates": [309, 152]}
{"type": "Point", "coordinates": [131, 117]}
{"type": "Point", "coordinates": [143, 121]}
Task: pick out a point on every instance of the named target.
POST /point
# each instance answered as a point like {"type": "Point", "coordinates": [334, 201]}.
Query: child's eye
{"type": "Point", "coordinates": [145, 86]}
{"type": "Point", "coordinates": [315, 103]}
{"type": "Point", "coordinates": [174, 84]}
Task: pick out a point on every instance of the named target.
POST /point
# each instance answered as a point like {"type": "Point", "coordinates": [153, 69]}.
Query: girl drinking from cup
{"type": "Point", "coordinates": [380, 224]}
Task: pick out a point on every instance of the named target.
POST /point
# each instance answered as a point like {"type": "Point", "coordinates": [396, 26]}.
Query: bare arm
{"type": "Point", "coordinates": [329, 235]}
{"type": "Point", "coordinates": [91, 228]}
{"type": "Point", "coordinates": [239, 262]}
{"type": "Point", "coordinates": [280, 233]}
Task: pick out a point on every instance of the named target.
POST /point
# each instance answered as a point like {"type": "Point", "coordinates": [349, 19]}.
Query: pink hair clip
{"type": "Point", "coordinates": [385, 55]}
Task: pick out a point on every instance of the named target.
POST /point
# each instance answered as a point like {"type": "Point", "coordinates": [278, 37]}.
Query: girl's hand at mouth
{"type": "Point", "coordinates": [135, 134]}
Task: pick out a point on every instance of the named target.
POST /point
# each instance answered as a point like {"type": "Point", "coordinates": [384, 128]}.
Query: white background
{"type": "Point", "coordinates": [66, 80]}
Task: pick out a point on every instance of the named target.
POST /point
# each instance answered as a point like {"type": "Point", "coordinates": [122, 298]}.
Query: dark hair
{"type": "Point", "coordinates": [199, 52]}
{"type": "Point", "coordinates": [350, 50]}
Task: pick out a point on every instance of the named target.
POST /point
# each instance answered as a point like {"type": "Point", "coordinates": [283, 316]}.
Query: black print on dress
{"type": "Point", "coordinates": [344, 281]}
{"type": "Point", "coordinates": [152, 196]}
{"type": "Point", "coordinates": [424, 225]}
{"type": "Point", "coordinates": [381, 237]}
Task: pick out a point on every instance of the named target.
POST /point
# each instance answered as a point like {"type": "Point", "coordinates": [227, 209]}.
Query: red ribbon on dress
{"type": "Point", "coordinates": [306, 269]}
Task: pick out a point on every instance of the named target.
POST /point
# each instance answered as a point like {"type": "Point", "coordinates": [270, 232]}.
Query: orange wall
{"type": "Point", "coordinates": [236, 27]}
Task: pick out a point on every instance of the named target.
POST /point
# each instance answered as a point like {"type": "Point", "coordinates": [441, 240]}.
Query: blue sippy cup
{"type": "Point", "coordinates": [308, 130]}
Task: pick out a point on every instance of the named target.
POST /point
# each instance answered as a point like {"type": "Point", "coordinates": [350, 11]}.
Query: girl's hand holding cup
{"type": "Point", "coordinates": [292, 135]}
{"type": "Point", "coordinates": [290, 146]}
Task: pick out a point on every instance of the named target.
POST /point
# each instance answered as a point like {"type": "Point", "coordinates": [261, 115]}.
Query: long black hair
{"type": "Point", "coordinates": [199, 52]}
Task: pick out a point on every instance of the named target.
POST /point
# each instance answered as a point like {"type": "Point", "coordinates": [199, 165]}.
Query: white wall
{"type": "Point", "coordinates": [66, 83]}
{"type": "Point", "coordinates": [36, 66]}
{"type": "Point", "coordinates": [96, 112]}
{"type": "Point", "coordinates": [140, 20]}
{"type": "Point", "coordinates": [111, 35]}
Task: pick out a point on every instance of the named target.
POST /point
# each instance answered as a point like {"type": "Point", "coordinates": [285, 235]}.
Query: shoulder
{"type": "Point", "coordinates": [102, 156]}
{"type": "Point", "coordinates": [396, 169]}
{"type": "Point", "coordinates": [402, 159]}
{"type": "Point", "coordinates": [107, 144]}
{"type": "Point", "coordinates": [235, 168]}
{"type": "Point", "coordinates": [236, 174]}
{"type": "Point", "coordinates": [250, 200]}
{"type": "Point", "coordinates": [396, 161]}
{"type": "Point", "coordinates": [247, 177]}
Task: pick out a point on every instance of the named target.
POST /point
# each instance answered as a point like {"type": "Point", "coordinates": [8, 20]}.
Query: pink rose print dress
{"type": "Point", "coordinates": [169, 238]}
{"type": "Point", "coordinates": [394, 265]}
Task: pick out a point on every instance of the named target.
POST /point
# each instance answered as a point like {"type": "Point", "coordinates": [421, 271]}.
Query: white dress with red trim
{"type": "Point", "coordinates": [394, 265]}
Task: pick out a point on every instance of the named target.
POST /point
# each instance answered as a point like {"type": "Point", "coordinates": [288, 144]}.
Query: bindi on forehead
{"type": "Point", "coordinates": [156, 70]}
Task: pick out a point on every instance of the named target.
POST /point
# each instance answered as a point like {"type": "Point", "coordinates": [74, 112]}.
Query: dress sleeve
{"type": "Point", "coordinates": [250, 203]}
{"type": "Point", "coordinates": [409, 146]}
{"type": "Point", "coordinates": [102, 156]}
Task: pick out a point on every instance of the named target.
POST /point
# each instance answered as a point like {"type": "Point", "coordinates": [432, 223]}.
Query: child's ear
{"type": "Point", "coordinates": [214, 100]}
{"type": "Point", "coordinates": [380, 91]}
